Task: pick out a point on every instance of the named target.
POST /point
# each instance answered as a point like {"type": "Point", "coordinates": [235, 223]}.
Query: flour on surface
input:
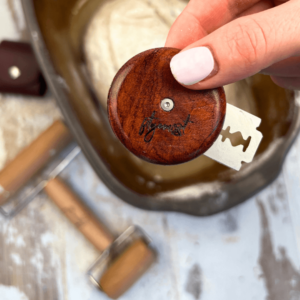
{"type": "Point", "coordinates": [11, 293]}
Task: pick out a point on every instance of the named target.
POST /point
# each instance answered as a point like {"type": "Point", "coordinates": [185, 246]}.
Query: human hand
{"type": "Point", "coordinates": [224, 41]}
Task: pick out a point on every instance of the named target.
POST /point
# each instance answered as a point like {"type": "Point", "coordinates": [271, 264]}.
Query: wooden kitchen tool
{"type": "Point", "coordinates": [162, 122]}
{"type": "Point", "coordinates": [120, 271]}
{"type": "Point", "coordinates": [123, 260]}
{"type": "Point", "coordinates": [32, 159]}
{"type": "Point", "coordinates": [158, 119]}
{"type": "Point", "coordinates": [77, 213]}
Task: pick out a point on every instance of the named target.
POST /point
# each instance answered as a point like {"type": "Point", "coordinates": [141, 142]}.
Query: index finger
{"type": "Point", "coordinates": [200, 18]}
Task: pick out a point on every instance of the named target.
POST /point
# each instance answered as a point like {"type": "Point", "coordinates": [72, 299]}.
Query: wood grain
{"type": "Point", "coordinates": [155, 135]}
{"type": "Point", "coordinates": [32, 159]}
{"type": "Point", "coordinates": [78, 214]}
{"type": "Point", "coordinates": [126, 269]}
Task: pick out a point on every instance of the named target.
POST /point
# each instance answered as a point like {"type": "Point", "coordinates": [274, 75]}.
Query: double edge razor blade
{"type": "Point", "coordinates": [237, 120]}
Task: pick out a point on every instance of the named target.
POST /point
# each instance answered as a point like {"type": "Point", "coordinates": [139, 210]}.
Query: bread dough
{"type": "Point", "coordinates": [119, 30]}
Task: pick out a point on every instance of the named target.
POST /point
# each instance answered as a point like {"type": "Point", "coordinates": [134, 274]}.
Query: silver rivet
{"type": "Point", "coordinates": [14, 72]}
{"type": "Point", "coordinates": [167, 104]}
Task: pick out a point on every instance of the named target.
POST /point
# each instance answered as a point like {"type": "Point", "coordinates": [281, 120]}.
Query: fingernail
{"type": "Point", "coordinates": [193, 65]}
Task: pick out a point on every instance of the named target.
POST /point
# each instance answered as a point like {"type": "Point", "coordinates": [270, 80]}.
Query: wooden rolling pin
{"type": "Point", "coordinates": [130, 264]}
{"type": "Point", "coordinates": [78, 214]}
{"type": "Point", "coordinates": [29, 161]}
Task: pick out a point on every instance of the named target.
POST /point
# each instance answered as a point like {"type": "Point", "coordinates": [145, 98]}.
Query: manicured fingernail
{"type": "Point", "coordinates": [192, 65]}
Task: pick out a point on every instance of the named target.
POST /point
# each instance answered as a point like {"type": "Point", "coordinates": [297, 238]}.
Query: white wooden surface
{"type": "Point", "coordinates": [249, 252]}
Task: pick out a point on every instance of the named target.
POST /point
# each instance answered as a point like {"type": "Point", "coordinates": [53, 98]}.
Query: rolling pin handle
{"type": "Point", "coordinates": [78, 214]}
{"type": "Point", "coordinates": [32, 159]}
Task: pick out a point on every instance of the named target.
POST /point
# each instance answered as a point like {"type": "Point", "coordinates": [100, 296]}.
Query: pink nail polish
{"type": "Point", "coordinates": [193, 65]}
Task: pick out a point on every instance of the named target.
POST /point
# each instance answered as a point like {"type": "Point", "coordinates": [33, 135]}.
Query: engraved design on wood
{"type": "Point", "coordinates": [151, 132]}
{"type": "Point", "coordinates": [176, 129]}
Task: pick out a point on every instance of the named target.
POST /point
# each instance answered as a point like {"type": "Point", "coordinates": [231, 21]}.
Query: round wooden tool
{"type": "Point", "coordinates": [29, 161]}
{"type": "Point", "coordinates": [158, 119]}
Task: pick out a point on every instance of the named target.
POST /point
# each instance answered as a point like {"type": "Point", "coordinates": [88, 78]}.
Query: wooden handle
{"type": "Point", "coordinates": [78, 214]}
{"type": "Point", "coordinates": [158, 119]}
{"type": "Point", "coordinates": [127, 269]}
{"type": "Point", "coordinates": [29, 161]}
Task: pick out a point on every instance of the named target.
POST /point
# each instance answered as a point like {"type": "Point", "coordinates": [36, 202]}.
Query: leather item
{"type": "Point", "coordinates": [19, 70]}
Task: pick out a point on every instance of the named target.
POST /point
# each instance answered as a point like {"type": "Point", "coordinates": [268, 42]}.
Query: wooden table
{"type": "Point", "coordinates": [246, 253]}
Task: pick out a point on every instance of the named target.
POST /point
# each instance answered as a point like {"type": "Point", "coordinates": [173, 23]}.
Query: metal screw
{"type": "Point", "coordinates": [167, 104]}
{"type": "Point", "coordinates": [14, 72]}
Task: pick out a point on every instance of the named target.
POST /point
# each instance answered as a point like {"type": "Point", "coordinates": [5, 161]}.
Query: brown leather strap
{"type": "Point", "coordinates": [19, 70]}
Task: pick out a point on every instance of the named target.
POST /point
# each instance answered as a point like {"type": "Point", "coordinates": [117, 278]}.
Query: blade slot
{"type": "Point", "coordinates": [235, 138]}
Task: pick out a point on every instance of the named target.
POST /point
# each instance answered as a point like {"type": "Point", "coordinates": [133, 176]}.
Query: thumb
{"type": "Point", "coordinates": [240, 48]}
